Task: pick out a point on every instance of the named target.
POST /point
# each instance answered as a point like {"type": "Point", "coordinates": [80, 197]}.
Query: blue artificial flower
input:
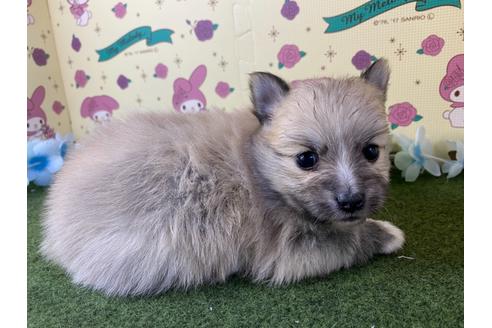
{"type": "Point", "coordinates": [64, 143]}
{"type": "Point", "coordinates": [415, 156]}
{"type": "Point", "coordinates": [454, 167]}
{"type": "Point", "coordinates": [43, 159]}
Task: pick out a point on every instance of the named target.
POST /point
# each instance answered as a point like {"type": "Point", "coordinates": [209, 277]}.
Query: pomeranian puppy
{"type": "Point", "coordinates": [278, 194]}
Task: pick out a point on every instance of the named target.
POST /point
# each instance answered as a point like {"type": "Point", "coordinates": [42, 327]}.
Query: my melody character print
{"type": "Point", "coordinates": [187, 97]}
{"type": "Point", "coordinates": [79, 10]}
{"type": "Point", "coordinates": [37, 124]}
{"type": "Point", "coordinates": [99, 108]}
{"type": "Point", "coordinates": [30, 18]}
{"type": "Point", "coordinates": [452, 89]}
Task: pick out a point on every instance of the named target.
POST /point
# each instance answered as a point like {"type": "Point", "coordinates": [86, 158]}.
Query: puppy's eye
{"type": "Point", "coordinates": [371, 152]}
{"type": "Point", "coordinates": [307, 160]}
{"type": "Point", "coordinates": [457, 93]}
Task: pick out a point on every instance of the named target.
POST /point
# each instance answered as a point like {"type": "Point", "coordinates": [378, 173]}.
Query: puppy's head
{"type": "Point", "coordinates": [323, 143]}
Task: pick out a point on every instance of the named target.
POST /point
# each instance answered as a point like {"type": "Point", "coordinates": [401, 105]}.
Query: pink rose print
{"type": "Point", "coordinates": [57, 107]}
{"type": "Point", "coordinates": [290, 9]}
{"type": "Point", "coordinates": [123, 81]}
{"type": "Point", "coordinates": [402, 114]}
{"type": "Point", "coordinates": [160, 71]}
{"type": "Point", "coordinates": [362, 60]}
{"type": "Point", "coordinates": [76, 43]}
{"type": "Point", "coordinates": [204, 29]}
{"type": "Point", "coordinates": [81, 78]}
{"type": "Point", "coordinates": [40, 57]}
{"type": "Point", "coordinates": [119, 10]}
{"type": "Point", "coordinates": [289, 55]}
{"type": "Point", "coordinates": [432, 46]}
{"type": "Point", "coordinates": [223, 89]}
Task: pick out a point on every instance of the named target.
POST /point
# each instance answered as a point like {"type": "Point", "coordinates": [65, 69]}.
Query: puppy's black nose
{"type": "Point", "coordinates": [350, 202]}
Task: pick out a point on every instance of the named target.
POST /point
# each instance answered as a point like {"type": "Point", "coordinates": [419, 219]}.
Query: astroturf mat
{"type": "Point", "coordinates": [421, 286]}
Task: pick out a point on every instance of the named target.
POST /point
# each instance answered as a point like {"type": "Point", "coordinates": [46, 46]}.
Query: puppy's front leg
{"type": "Point", "coordinates": [384, 237]}
{"type": "Point", "coordinates": [308, 255]}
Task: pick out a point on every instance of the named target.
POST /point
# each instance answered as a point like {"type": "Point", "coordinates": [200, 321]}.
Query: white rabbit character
{"type": "Point", "coordinates": [30, 18]}
{"type": "Point", "coordinates": [79, 10]}
{"type": "Point", "coordinates": [452, 89]}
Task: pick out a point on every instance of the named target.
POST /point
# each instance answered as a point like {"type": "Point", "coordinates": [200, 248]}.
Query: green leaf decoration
{"type": "Point", "coordinates": [374, 58]}
{"type": "Point", "coordinates": [215, 26]}
{"type": "Point", "coordinates": [302, 53]}
{"type": "Point", "coordinates": [394, 126]}
{"type": "Point", "coordinates": [420, 51]}
{"type": "Point", "coordinates": [417, 118]}
{"type": "Point", "coordinates": [231, 89]}
{"type": "Point", "coordinates": [280, 65]}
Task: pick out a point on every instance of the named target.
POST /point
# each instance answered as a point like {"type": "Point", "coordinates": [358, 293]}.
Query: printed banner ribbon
{"type": "Point", "coordinates": [374, 8]}
{"type": "Point", "coordinates": [132, 37]}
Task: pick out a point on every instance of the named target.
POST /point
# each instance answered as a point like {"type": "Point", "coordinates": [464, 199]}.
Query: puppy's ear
{"type": "Point", "coordinates": [267, 90]}
{"type": "Point", "coordinates": [378, 74]}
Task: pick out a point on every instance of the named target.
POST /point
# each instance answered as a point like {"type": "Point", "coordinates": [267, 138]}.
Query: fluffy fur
{"type": "Point", "coordinates": [162, 201]}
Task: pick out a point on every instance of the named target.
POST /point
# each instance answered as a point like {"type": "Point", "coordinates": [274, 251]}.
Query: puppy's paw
{"type": "Point", "coordinates": [393, 238]}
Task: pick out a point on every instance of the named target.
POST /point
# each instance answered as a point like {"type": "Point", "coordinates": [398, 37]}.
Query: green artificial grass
{"type": "Point", "coordinates": [426, 291]}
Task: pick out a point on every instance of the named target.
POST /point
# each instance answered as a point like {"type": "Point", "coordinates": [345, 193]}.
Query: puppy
{"type": "Point", "coordinates": [278, 194]}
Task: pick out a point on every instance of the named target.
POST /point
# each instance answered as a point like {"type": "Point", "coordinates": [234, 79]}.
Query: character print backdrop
{"type": "Point", "coordinates": [90, 61]}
